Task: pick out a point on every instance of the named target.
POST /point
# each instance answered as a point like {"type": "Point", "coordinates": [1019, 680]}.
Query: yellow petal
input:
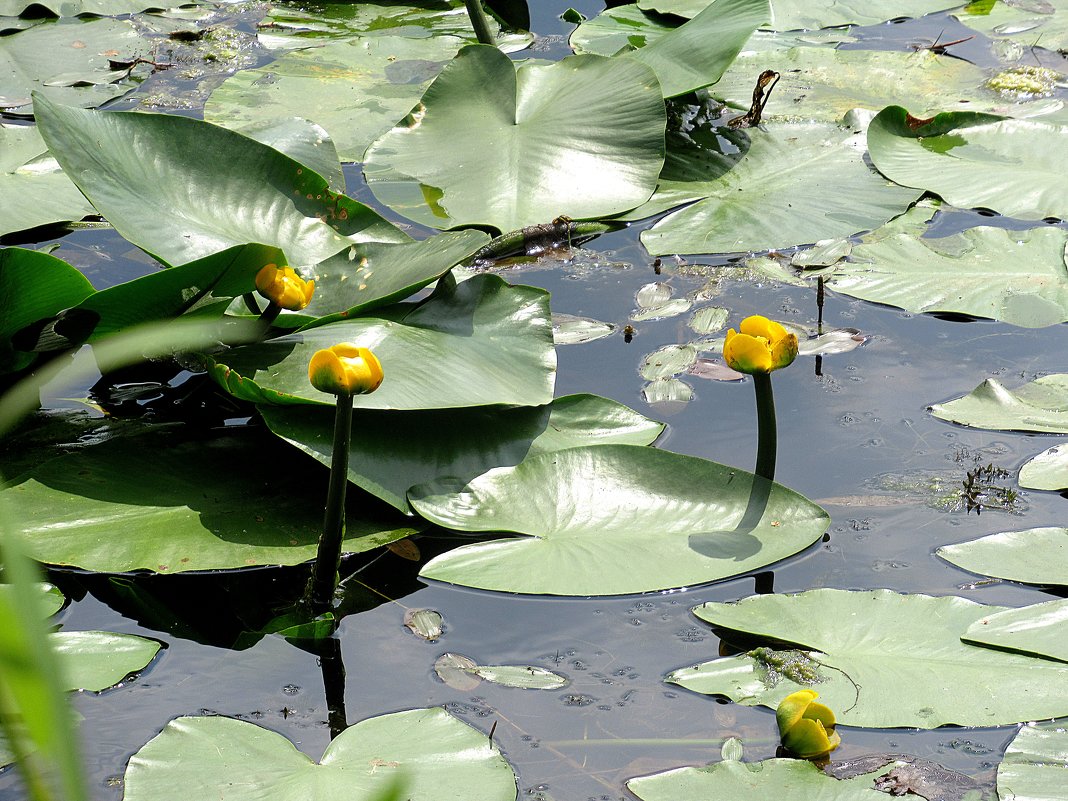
{"type": "Point", "coordinates": [784, 351]}
{"type": "Point", "coordinates": [757, 326]}
{"type": "Point", "coordinates": [817, 711]}
{"type": "Point", "coordinates": [326, 372]}
{"type": "Point", "coordinates": [792, 708]}
{"type": "Point", "coordinates": [747, 354]}
{"type": "Point", "coordinates": [809, 739]}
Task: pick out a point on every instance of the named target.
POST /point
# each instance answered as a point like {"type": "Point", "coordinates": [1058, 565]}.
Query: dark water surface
{"type": "Point", "coordinates": [856, 438]}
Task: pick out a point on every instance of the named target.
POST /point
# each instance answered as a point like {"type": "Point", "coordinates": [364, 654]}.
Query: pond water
{"type": "Point", "coordinates": [855, 436]}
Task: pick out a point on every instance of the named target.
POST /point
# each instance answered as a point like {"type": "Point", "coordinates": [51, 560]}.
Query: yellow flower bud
{"type": "Point", "coordinates": [284, 287]}
{"type": "Point", "coordinates": [762, 346]}
{"type": "Point", "coordinates": [345, 369]}
{"type": "Point", "coordinates": [806, 728]}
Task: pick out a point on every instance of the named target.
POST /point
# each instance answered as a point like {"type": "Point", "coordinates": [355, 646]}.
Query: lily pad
{"type": "Point", "coordinates": [569, 329]}
{"type": "Point", "coordinates": [590, 128]}
{"type": "Point", "coordinates": [356, 89]}
{"type": "Point", "coordinates": [974, 160]}
{"type": "Point", "coordinates": [1018, 277]}
{"type": "Point", "coordinates": [32, 59]}
{"type": "Point", "coordinates": [1040, 629]}
{"type": "Point", "coordinates": [650, 520]}
{"type": "Point", "coordinates": [196, 506]}
{"type": "Point", "coordinates": [76, 8]}
{"type": "Point", "coordinates": [1033, 556]}
{"type": "Point", "coordinates": [477, 343]}
{"type": "Point", "coordinates": [428, 752]}
{"type": "Point", "coordinates": [1041, 405]}
{"type": "Point", "coordinates": [1048, 470]}
{"type": "Point", "coordinates": [908, 650]}
{"type": "Point", "coordinates": [34, 191]}
{"type": "Point", "coordinates": [453, 669]}
{"type": "Point", "coordinates": [794, 184]}
{"type": "Point", "coordinates": [393, 451]}
{"type": "Point", "coordinates": [789, 15]}
{"type": "Point", "coordinates": [161, 179]}
{"type": "Point", "coordinates": [1027, 24]}
{"type": "Point", "coordinates": [1034, 764]}
{"type": "Point", "coordinates": [96, 660]}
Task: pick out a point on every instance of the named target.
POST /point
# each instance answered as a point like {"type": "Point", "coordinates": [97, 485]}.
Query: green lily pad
{"type": "Point", "coordinates": [787, 15]}
{"type": "Point", "coordinates": [96, 660]}
{"type": "Point", "coordinates": [823, 83]}
{"type": "Point", "coordinates": [75, 8]}
{"type": "Point", "coordinates": [1028, 25]}
{"type": "Point", "coordinates": [1041, 405]}
{"type": "Point", "coordinates": [1040, 629]}
{"type": "Point", "coordinates": [478, 343]}
{"type": "Point", "coordinates": [1033, 556]}
{"type": "Point", "coordinates": [1048, 470]}
{"type": "Point", "coordinates": [33, 286]}
{"type": "Point", "coordinates": [34, 191]}
{"type": "Point", "coordinates": [463, 673]}
{"type": "Point", "coordinates": [794, 184]}
{"type": "Point", "coordinates": [30, 59]}
{"type": "Point", "coordinates": [752, 781]}
{"type": "Point", "coordinates": [902, 667]}
{"type": "Point", "coordinates": [569, 329]}
{"type": "Point", "coordinates": [974, 160]}
{"type": "Point", "coordinates": [161, 179]}
{"type": "Point", "coordinates": [356, 89]}
{"type": "Point", "coordinates": [301, 140]}
{"type": "Point", "coordinates": [582, 137]}
{"type": "Point", "coordinates": [1018, 277]}
{"type": "Point", "coordinates": [651, 519]}
{"type": "Point", "coordinates": [196, 506]}
{"type": "Point", "coordinates": [393, 451]}
{"type": "Point", "coordinates": [1034, 764]}
{"type": "Point", "coordinates": [428, 752]}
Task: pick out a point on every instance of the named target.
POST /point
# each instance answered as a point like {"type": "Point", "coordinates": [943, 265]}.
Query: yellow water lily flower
{"type": "Point", "coordinates": [284, 287]}
{"type": "Point", "coordinates": [762, 346]}
{"type": "Point", "coordinates": [806, 727]}
{"type": "Point", "coordinates": [345, 369]}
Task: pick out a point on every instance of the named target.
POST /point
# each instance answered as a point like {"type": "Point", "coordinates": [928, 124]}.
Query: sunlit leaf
{"type": "Point", "coordinates": [96, 660]}
{"type": "Point", "coordinates": [974, 160]}
{"type": "Point", "coordinates": [1039, 629]}
{"type": "Point", "coordinates": [568, 329]}
{"type": "Point", "coordinates": [590, 128]}
{"type": "Point", "coordinates": [1035, 763]}
{"type": "Point", "coordinates": [1048, 470]}
{"type": "Point", "coordinates": [900, 668]}
{"type": "Point", "coordinates": [649, 520]}
{"type": "Point", "coordinates": [393, 451]}
{"type": "Point", "coordinates": [428, 751]}
{"type": "Point", "coordinates": [1041, 405]}
{"type": "Point", "coordinates": [792, 14]}
{"type": "Point", "coordinates": [1027, 24]}
{"type": "Point", "coordinates": [1033, 556]}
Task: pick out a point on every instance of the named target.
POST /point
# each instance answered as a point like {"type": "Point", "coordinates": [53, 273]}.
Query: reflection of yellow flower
{"type": "Point", "coordinates": [762, 346]}
{"type": "Point", "coordinates": [806, 728]}
{"type": "Point", "coordinates": [345, 369]}
{"type": "Point", "coordinates": [284, 287]}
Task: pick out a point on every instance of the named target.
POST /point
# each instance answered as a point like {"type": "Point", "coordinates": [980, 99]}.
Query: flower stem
{"type": "Point", "coordinates": [766, 434]}
{"type": "Point", "coordinates": [480, 21]}
{"type": "Point", "coordinates": [324, 574]}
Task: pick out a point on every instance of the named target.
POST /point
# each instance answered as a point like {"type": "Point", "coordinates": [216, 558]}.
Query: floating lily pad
{"type": "Point", "coordinates": [650, 520]}
{"type": "Point", "coordinates": [1034, 556]}
{"type": "Point", "coordinates": [33, 189]}
{"type": "Point", "coordinates": [1048, 470]}
{"type": "Point", "coordinates": [76, 8]}
{"type": "Point", "coordinates": [35, 58]}
{"type": "Point", "coordinates": [789, 15]}
{"type": "Point", "coordinates": [196, 506]}
{"type": "Point", "coordinates": [792, 184]}
{"type": "Point", "coordinates": [427, 752]}
{"type": "Point", "coordinates": [709, 320]}
{"type": "Point", "coordinates": [588, 127]}
{"type": "Point", "coordinates": [1027, 24]}
{"type": "Point", "coordinates": [477, 343]}
{"type": "Point", "coordinates": [974, 160]}
{"type": "Point", "coordinates": [161, 179]}
{"type": "Point", "coordinates": [1041, 405]}
{"type": "Point", "coordinates": [303, 141]}
{"type": "Point", "coordinates": [908, 649]}
{"type": "Point", "coordinates": [1040, 629]}
{"type": "Point", "coordinates": [569, 329]}
{"type": "Point", "coordinates": [393, 451]}
{"type": "Point", "coordinates": [96, 660]}
{"type": "Point", "coordinates": [655, 303]}
{"type": "Point", "coordinates": [424, 623]}
{"type": "Point", "coordinates": [667, 393]}
{"type": "Point", "coordinates": [356, 89]}
{"type": "Point", "coordinates": [1034, 764]}
{"type": "Point", "coordinates": [463, 673]}
{"type": "Point", "coordinates": [668, 361]}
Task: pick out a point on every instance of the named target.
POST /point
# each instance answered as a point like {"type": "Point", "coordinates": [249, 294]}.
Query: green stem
{"type": "Point", "coordinates": [328, 557]}
{"type": "Point", "coordinates": [480, 21]}
{"type": "Point", "coordinates": [766, 435]}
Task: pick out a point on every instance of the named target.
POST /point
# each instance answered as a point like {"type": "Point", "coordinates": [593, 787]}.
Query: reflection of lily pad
{"type": "Point", "coordinates": [427, 752]}
{"type": "Point", "coordinates": [908, 648]}
{"type": "Point", "coordinates": [1034, 556]}
{"type": "Point", "coordinates": [648, 519]}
